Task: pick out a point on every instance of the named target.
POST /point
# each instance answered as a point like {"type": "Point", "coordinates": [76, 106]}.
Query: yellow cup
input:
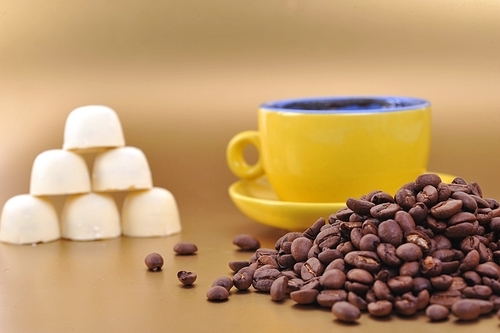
{"type": "Point", "coordinates": [328, 149]}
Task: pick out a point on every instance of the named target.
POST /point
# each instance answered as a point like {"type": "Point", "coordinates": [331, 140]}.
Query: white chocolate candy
{"type": "Point", "coordinates": [92, 128]}
{"type": "Point", "coordinates": [27, 219]}
{"type": "Point", "coordinates": [90, 216]}
{"type": "Point", "coordinates": [150, 213]}
{"type": "Point", "coordinates": [121, 169]}
{"type": "Point", "coordinates": [59, 172]}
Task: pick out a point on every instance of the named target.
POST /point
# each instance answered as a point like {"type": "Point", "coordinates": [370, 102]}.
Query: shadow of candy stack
{"type": "Point", "coordinates": [89, 211]}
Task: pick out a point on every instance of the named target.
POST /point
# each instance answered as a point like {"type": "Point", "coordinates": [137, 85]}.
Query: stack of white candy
{"type": "Point", "coordinates": [90, 212]}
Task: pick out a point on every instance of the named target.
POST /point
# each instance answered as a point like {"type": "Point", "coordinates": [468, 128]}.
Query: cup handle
{"type": "Point", "coordinates": [235, 159]}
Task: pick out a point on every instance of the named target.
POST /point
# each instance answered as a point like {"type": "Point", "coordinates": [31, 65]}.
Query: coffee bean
{"type": "Point", "coordinates": [242, 280]}
{"type": "Point", "coordinates": [400, 284]}
{"type": "Point", "coordinates": [427, 179]}
{"type": "Point", "coordinates": [186, 278]}
{"type": "Point", "coordinates": [380, 308]}
{"type": "Point", "coordinates": [390, 232]}
{"type": "Point", "coordinates": [369, 242]}
{"type": "Point", "coordinates": [429, 247]}
{"type": "Point", "coordinates": [154, 261]}
{"type": "Point", "coordinates": [333, 279]}
{"type": "Point", "coordinates": [409, 252]}
{"type": "Point", "coordinates": [304, 296]}
{"type": "Point", "coordinates": [359, 206]}
{"type": "Point", "coordinates": [238, 264]}
{"type": "Point", "coordinates": [359, 275]}
{"type": "Point", "coordinates": [185, 248]}
{"type": "Point", "coordinates": [428, 195]}
{"type": "Point", "coordinates": [446, 209]}
{"type": "Point", "coordinates": [246, 242]}
{"type": "Point", "coordinates": [217, 294]}
{"type": "Point", "coordinates": [223, 281]}
{"type": "Point", "coordinates": [327, 297]}
{"type": "Point", "coordinates": [264, 278]}
{"type": "Point", "coordinates": [279, 288]}
{"type": "Point", "coordinates": [437, 312]}
{"type": "Point", "coordinates": [345, 311]}
{"type": "Point", "coordinates": [466, 309]}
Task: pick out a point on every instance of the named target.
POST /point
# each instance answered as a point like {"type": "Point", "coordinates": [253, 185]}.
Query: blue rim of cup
{"type": "Point", "coordinates": [346, 104]}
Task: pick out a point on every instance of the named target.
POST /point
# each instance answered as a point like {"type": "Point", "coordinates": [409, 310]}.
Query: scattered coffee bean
{"type": "Point", "coordinates": [217, 293]}
{"type": "Point", "coordinates": [186, 278]}
{"type": "Point", "coordinates": [154, 261]}
{"type": "Point", "coordinates": [346, 312]}
{"type": "Point", "coordinates": [185, 248]}
{"type": "Point", "coordinates": [246, 242]}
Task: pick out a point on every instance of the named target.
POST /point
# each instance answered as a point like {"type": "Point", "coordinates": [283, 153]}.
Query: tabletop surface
{"type": "Point", "coordinates": [185, 77]}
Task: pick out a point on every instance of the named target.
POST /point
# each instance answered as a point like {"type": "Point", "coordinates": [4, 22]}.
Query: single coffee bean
{"type": "Point", "coordinates": [366, 260]}
{"type": "Point", "coordinates": [242, 280]}
{"type": "Point", "coordinates": [345, 311]}
{"type": "Point", "coordinates": [441, 282]}
{"type": "Point", "coordinates": [359, 206]}
{"type": "Point", "coordinates": [409, 252]}
{"type": "Point", "coordinates": [466, 309]}
{"type": "Point", "coordinates": [385, 210]}
{"type": "Point", "coordinates": [444, 192]}
{"type": "Point", "coordinates": [311, 269]}
{"type": "Point", "coordinates": [387, 254]}
{"type": "Point", "coordinates": [185, 248]}
{"type": "Point", "coordinates": [223, 281]}
{"type": "Point", "coordinates": [406, 306]}
{"type": "Point", "coordinates": [328, 238]}
{"type": "Point", "coordinates": [327, 297]}
{"type": "Point", "coordinates": [446, 209]}
{"type": "Point", "coordinates": [186, 278]}
{"type": "Point", "coordinates": [418, 211]}
{"type": "Point", "coordinates": [238, 264]}
{"type": "Point", "coordinates": [359, 275]}
{"type": "Point", "coordinates": [381, 308]}
{"type": "Point", "coordinates": [405, 221]}
{"type": "Point", "coordinates": [246, 242]}
{"type": "Point", "coordinates": [154, 261]}
{"type": "Point", "coordinates": [405, 198]}
{"type": "Point", "coordinates": [410, 268]}
{"type": "Point", "coordinates": [428, 195]}
{"type": "Point", "coordinates": [400, 284]}
{"type": "Point", "coordinates": [217, 293]}
{"type": "Point", "coordinates": [427, 179]}
{"type": "Point", "coordinates": [300, 248]}
{"type": "Point", "coordinates": [304, 296]}
{"type": "Point", "coordinates": [390, 232]}
{"type": "Point", "coordinates": [315, 228]}
{"type": "Point", "coordinates": [437, 312]}
{"type": "Point", "coordinates": [369, 242]}
{"type": "Point", "coordinates": [279, 288]}
{"type": "Point", "coordinates": [382, 291]}
{"type": "Point", "coordinates": [332, 279]}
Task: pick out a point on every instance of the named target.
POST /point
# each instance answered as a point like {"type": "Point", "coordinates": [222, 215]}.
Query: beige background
{"type": "Point", "coordinates": [184, 77]}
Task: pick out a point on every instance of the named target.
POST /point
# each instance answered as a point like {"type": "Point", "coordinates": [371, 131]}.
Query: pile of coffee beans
{"type": "Point", "coordinates": [433, 248]}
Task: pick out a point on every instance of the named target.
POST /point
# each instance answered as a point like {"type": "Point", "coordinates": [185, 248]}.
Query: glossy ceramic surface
{"type": "Point", "coordinates": [327, 149]}
{"type": "Point", "coordinates": [257, 200]}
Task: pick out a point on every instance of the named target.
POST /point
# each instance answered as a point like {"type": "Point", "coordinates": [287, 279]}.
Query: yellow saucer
{"type": "Point", "coordinates": [257, 200]}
